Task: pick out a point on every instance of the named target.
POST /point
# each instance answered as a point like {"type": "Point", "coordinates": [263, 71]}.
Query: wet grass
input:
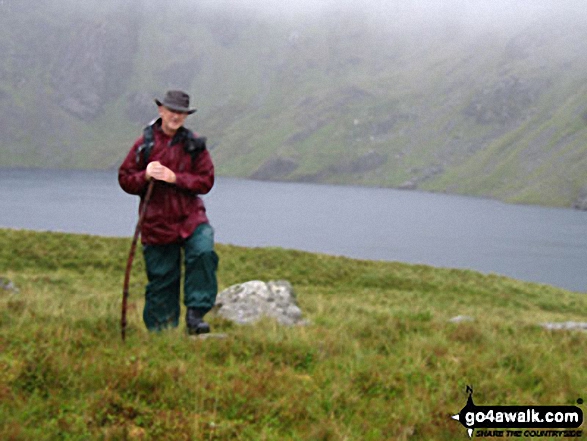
{"type": "Point", "coordinates": [378, 361]}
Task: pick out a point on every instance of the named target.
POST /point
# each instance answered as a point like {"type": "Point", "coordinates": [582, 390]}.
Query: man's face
{"type": "Point", "coordinates": [171, 120]}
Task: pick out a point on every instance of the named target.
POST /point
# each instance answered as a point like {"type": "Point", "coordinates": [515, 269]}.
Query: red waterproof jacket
{"type": "Point", "coordinates": [175, 210]}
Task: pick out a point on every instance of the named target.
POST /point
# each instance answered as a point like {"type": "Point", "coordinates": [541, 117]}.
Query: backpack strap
{"type": "Point", "coordinates": [145, 148]}
{"type": "Point", "coordinates": [194, 146]}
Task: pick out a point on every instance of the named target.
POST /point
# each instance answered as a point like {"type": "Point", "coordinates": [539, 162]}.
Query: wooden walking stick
{"type": "Point", "coordinates": [131, 258]}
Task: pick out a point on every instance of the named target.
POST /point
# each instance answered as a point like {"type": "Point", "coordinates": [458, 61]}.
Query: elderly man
{"type": "Point", "coordinates": [175, 217]}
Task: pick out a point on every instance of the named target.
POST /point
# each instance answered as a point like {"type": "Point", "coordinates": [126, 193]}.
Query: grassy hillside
{"type": "Point", "coordinates": [483, 106]}
{"type": "Point", "coordinates": [378, 361]}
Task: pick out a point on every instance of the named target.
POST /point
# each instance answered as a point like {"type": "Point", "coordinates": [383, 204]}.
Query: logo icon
{"type": "Point", "coordinates": [518, 417]}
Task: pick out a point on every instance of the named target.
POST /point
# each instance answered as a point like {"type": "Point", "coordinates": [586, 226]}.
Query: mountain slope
{"type": "Point", "coordinates": [489, 109]}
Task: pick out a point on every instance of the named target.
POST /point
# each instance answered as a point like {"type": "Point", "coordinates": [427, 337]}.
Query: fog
{"type": "Point", "coordinates": [413, 13]}
{"type": "Point", "coordinates": [472, 15]}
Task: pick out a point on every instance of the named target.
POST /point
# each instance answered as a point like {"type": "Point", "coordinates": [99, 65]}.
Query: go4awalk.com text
{"type": "Point", "coordinates": [528, 433]}
{"type": "Point", "coordinates": [521, 421]}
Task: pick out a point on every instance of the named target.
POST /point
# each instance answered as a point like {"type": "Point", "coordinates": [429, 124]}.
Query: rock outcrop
{"type": "Point", "coordinates": [565, 326]}
{"type": "Point", "coordinates": [93, 67]}
{"type": "Point", "coordinates": [551, 326]}
{"type": "Point", "coordinates": [275, 169]}
{"type": "Point", "coordinates": [507, 101]}
{"type": "Point", "coordinates": [8, 286]}
{"type": "Point", "coordinates": [462, 318]}
{"type": "Point", "coordinates": [250, 301]}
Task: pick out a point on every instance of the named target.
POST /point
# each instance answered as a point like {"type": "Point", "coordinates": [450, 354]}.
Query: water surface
{"type": "Point", "coordinates": [545, 245]}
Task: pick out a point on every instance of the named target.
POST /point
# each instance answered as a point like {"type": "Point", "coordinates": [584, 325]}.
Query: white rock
{"type": "Point", "coordinates": [565, 326]}
{"type": "Point", "coordinates": [248, 302]}
{"type": "Point", "coordinates": [462, 318]}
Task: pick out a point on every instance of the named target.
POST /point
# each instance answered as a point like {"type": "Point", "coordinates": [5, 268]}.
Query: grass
{"type": "Point", "coordinates": [378, 361]}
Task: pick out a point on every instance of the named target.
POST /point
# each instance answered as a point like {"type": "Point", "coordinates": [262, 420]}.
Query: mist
{"type": "Point", "coordinates": [471, 14]}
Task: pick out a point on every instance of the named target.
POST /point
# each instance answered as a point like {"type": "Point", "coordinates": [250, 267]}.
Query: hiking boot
{"type": "Point", "coordinates": [200, 327]}
{"type": "Point", "coordinates": [195, 322]}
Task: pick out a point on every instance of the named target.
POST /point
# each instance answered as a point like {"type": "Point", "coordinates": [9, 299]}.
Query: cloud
{"type": "Point", "coordinates": [472, 14]}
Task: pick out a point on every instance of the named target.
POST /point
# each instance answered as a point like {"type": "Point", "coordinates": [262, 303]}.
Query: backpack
{"type": "Point", "coordinates": [192, 145]}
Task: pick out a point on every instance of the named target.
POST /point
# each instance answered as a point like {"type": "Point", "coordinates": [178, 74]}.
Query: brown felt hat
{"type": "Point", "coordinates": [176, 100]}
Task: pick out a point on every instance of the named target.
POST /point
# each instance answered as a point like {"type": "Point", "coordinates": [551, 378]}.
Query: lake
{"type": "Point", "coordinates": [545, 245]}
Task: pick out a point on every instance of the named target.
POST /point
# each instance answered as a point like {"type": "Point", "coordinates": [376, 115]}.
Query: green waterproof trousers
{"type": "Point", "coordinates": [163, 263]}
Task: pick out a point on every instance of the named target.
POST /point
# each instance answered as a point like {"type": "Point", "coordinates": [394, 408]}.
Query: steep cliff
{"type": "Point", "coordinates": [94, 67]}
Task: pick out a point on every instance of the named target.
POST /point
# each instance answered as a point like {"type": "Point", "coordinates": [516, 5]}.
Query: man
{"type": "Point", "coordinates": [175, 218]}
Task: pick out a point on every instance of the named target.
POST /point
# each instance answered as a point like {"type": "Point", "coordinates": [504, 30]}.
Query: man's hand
{"type": "Point", "coordinates": [159, 172]}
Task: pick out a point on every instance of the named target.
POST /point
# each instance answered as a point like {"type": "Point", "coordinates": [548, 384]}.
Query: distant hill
{"type": "Point", "coordinates": [496, 109]}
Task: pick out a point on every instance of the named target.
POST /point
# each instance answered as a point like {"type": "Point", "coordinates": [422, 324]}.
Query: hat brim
{"type": "Point", "coordinates": [176, 108]}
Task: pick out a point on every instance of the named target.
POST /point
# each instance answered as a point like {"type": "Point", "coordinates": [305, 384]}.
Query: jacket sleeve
{"type": "Point", "coordinates": [200, 178]}
{"type": "Point", "coordinates": [131, 176]}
